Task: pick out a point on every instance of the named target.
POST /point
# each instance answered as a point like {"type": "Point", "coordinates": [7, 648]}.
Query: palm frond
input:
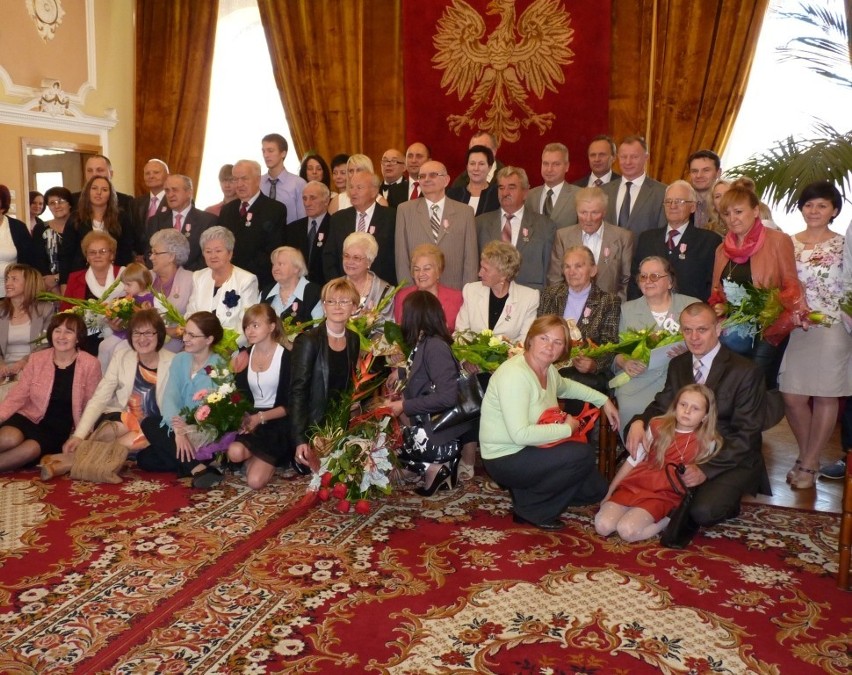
{"type": "Point", "coordinates": [782, 172]}
{"type": "Point", "coordinates": [827, 56]}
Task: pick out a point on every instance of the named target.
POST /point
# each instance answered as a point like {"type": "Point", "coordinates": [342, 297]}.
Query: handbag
{"type": "Point", "coordinates": [681, 527]}
{"type": "Point", "coordinates": [587, 418]}
{"type": "Point", "coordinates": [466, 409]}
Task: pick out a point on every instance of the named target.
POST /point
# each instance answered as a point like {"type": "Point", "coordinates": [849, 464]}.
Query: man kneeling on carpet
{"type": "Point", "coordinates": [738, 385]}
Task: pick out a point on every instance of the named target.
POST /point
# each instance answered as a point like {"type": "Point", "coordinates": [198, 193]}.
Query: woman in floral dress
{"type": "Point", "coordinates": [817, 366]}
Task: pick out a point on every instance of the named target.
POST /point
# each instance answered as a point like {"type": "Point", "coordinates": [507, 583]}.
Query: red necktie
{"type": "Point", "coordinates": [177, 221]}
{"type": "Point", "coordinates": [671, 242]}
{"type": "Point", "coordinates": [415, 193]}
{"type": "Point", "coordinates": [244, 209]}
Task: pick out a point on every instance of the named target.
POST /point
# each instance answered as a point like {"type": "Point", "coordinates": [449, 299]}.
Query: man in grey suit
{"type": "Point", "coordinates": [554, 199]}
{"type": "Point", "coordinates": [531, 233]}
{"type": "Point", "coordinates": [635, 199]}
{"type": "Point", "coordinates": [601, 156]}
{"type": "Point", "coordinates": [436, 219]}
{"type": "Point", "coordinates": [611, 245]}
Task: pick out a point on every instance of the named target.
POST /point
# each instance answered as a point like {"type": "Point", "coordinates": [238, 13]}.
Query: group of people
{"type": "Point", "coordinates": [548, 267]}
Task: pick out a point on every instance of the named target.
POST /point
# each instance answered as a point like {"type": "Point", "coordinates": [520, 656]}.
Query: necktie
{"type": "Point", "coordinates": [243, 209]}
{"type": "Point", "coordinates": [272, 188]}
{"type": "Point", "coordinates": [598, 182]}
{"type": "Point", "coordinates": [177, 221]}
{"type": "Point", "coordinates": [671, 241]}
{"type": "Point", "coordinates": [415, 193]}
{"type": "Point", "coordinates": [362, 222]}
{"type": "Point", "coordinates": [548, 203]}
{"type": "Point", "coordinates": [384, 189]}
{"type": "Point", "coordinates": [624, 213]}
{"type": "Point", "coordinates": [698, 374]}
{"type": "Point", "coordinates": [434, 221]}
{"type": "Point", "coordinates": [700, 218]}
{"type": "Point", "coordinates": [152, 207]}
{"type": "Point", "coordinates": [312, 235]}
{"type": "Point", "coordinates": [506, 234]}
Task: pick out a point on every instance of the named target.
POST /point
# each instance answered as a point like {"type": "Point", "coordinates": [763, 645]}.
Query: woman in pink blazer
{"type": "Point", "coordinates": [55, 385]}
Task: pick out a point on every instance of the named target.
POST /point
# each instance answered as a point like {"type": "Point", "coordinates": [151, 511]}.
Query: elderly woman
{"type": "Point", "coordinates": [314, 167]}
{"type": "Point", "coordinates": [23, 318]}
{"type": "Point", "coordinates": [496, 302]}
{"type": "Point", "coordinates": [169, 253]}
{"type": "Point", "coordinates": [15, 241]}
{"type": "Point", "coordinates": [47, 237]}
{"type": "Point", "coordinates": [221, 287]}
{"type": "Point", "coordinates": [593, 313]}
{"type": "Point", "coordinates": [427, 265]}
{"type": "Point", "coordinates": [754, 254]}
{"type": "Point", "coordinates": [359, 251]}
{"type": "Point", "coordinates": [322, 365]}
{"type": "Point", "coordinates": [97, 211]}
{"type": "Point", "coordinates": [658, 308]}
{"type": "Point", "coordinates": [354, 164]}
{"type": "Point", "coordinates": [543, 480]}
{"type": "Point", "coordinates": [292, 294]}
{"type": "Point", "coordinates": [228, 185]}
{"type": "Point", "coordinates": [94, 281]}
{"type": "Point", "coordinates": [479, 194]}
{"type": "Point", "coordinates": [54, 385]}
{"type": "Point", "coordinates": [817, 365]}
{"type": "Point", "coordinates": [170, 448]}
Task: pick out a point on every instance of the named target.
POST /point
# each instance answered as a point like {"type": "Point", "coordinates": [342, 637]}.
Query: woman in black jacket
{"type": "Point", "coordinates": [322, 364]}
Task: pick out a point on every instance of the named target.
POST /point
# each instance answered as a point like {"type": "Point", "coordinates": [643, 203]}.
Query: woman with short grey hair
{"type": "Point", "coordinates": [169, 253]}
{"type": "Point", "coordinates": [291, 294]}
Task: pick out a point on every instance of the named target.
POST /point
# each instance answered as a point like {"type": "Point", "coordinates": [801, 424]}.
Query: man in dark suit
{"type": "Point", "coordinates": [181, 215]}
{"type": "Point", "coordinates": [635, 199]}
{"type": "Point", "coordinates": [154, 175]}
{"type": "Point", "coordinates": [365, 215]}
{"type": "Point", "coordinates": [738, 385]}
{"type": "Point", "coordinates": [310, 234]}
{"type": "Point", "coordinates": [416, 156]}
{"type": "Point", "coordinates": [555, 199]}
{"type": "Point", "coordinates": [256, 221]}
{"type": "Point", "coordinates": [601, 156]}
{"type": "Point", "coordinates": [393, 173]}
{"type": "Point", "coordinates": [689, 250]}
{"type": "Point", "coordinates": [705, 168]}
{"type": "Point", "coordinates": [530, 232]}
{"type": "Point", "coordinates": [489, 141]}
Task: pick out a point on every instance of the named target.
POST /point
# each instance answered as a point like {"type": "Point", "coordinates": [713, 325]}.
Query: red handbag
{"type": "Point", "coordinates": [587, 418]}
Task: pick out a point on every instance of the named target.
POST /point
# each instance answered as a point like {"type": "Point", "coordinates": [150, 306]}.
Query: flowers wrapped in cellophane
{"type": "Point", "coordinates": [484, 350]}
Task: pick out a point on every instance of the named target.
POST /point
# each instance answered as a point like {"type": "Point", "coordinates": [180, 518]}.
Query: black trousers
{"type": "Point", "coordinates": [161, 455]}
{"type": "Point", "coordinates": [545, 481]}
{"type": "Point", "coordinates": [719, 498]}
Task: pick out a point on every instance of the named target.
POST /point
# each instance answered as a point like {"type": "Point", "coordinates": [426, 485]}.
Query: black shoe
{"type": "Point", "coordinates": [300, 469]}
{"type": "Point", "coordinates": [206, 479]}
{"type": "Point", "coordinates": [551, 525]}
{"type": "Point", "coordinates": [443, 479]}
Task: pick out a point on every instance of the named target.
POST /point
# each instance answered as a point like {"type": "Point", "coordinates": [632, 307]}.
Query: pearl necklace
{"type": "Point", "coordinates": [331, 333]}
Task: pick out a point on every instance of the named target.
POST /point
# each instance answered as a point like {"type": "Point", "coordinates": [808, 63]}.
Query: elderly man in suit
{"type": "Point", "coordinates": [154, 175]}
{"type": "Point", "coordinates": [182, 216]}
{"type": "Point", "coordinates": [393, 173]}
{"type": "Point", "coordinates": [635, 199]}
{"type": "Point", "coordinates": [612, 246]}
{"type": "Point", "coordinates": [691, 251]}
{"type": "Point", "coordinates": [601, 156]}
{"type": "Point", "coordinates": [365, 215]}
{"type": "Point", "coordinates": [436, 219]}
{"type": "Point", "coordinates": [278, 183]}
{"type": "Point", "coordinates": [738, 384]}
{"type": "Point", "coordinates": [529, 232]}
{"type": "Point", "coordinates": [490, 141]}
{"type": "Point", "coordinates": [554, 199]}
{"type": "Point", "coordinates": [310, 234]}
{"type": "Point", "coordinates": [256, 221]}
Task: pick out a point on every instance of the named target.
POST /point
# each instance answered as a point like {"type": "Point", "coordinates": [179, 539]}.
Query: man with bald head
{"type": "Point", "coordinates": [256, 221]}
{"type": "Point", "coordinates": [180, 214]}
{"type": "Point", "coordinates": [310, 234]}
{"type": "Point", "coordinates": [393, 173]}
{"type": "Point", "coordinates": [146, 206]}
{"type": "Point", "coordinates": [436, 219]}
{"type": "Point", "coordinates": [490, 141]}
{"type": "Point", "coordinates": [365, 215]}
{"type": "Point", "coordinates": [415, 156]}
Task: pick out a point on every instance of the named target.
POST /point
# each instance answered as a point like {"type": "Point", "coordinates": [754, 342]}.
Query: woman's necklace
{"type": "Point", "coordinates": [731, 267]}
{"type": "Point", "coordinates": [689, 439]}
{"type": "Point", "coordinates": [331, 333]}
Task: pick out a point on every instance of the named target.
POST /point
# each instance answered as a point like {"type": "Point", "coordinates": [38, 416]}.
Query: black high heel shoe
{"type": "Point", "coordinates": [443, 479]}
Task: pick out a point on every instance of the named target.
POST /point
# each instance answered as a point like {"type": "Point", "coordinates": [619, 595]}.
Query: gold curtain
{"type": "Point", "coordinates": [338, 68]}
{"type": "Point", "coordinates": [680, 70]}
{"type": "Point", "coordinates": [174, 58]}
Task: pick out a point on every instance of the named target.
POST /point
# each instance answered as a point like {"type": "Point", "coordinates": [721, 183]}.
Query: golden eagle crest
{"type": "Point", "coordinates": [515, 58]}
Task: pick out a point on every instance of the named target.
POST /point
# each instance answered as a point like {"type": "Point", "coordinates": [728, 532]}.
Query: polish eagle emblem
{"type": "Point", "coordinates": [516, 58]}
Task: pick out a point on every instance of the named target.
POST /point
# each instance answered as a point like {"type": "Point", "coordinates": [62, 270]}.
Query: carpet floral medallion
{"type": "Point", "coordinates": [150, 576]}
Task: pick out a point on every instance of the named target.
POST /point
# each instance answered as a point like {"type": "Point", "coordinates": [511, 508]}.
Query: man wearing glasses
{"type": "Point", "coordinates": [393, 170]}
{"type": "Point", "coordinates": [690, 250]}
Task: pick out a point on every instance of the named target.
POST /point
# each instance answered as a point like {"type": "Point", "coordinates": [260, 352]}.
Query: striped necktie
{"type": "Point", "coordinates": [362, 222]}
{"type": "Point", "coordinates": [435, 222]}
{"type": "Point", "coordinates": [697, 373]}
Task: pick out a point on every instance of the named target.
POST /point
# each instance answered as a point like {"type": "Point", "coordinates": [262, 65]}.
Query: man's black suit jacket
{"type": "Point", "coordinates": [383, 225]}
{"type": "Point", "coordinates": [693, 267]}
{"type": "Point", "coordinates": [257, 235]}
{"type": "Point", "coordinates": [296, 235]}
{"type": "Point", "coordinates": [139, 215]}
{"type": "Point", "coordinates": [584, 181]}
{"type": "Point", "coordinates": [398, 193]}
{"type": "Point", "coordinates": [196, 222]}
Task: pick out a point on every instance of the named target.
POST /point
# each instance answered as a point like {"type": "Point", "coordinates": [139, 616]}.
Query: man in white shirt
{"type": "Point", "coordinates": [554, 199]}
{"type": "Point", "coordinates": [278, 183]}
{"type": "Point", "coordinates": [635, 199]}
{"type": "Point", "coordinates": [393, 171]}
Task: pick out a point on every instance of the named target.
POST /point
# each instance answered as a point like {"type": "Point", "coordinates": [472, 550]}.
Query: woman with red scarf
{"type": "Point", "coordinates": [754, 254]}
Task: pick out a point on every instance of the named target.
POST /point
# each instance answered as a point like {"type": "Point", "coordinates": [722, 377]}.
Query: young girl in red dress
{"type": "Point", "coordinates": [641, 496]}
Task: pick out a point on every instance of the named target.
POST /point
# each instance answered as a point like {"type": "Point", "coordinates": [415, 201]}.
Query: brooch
{"type": "Point", "coordinates": [230, 301]}
{"type": "Point", "coordinates": [248, 219]}
{"type": "Point", "coordinates": [682, 255]}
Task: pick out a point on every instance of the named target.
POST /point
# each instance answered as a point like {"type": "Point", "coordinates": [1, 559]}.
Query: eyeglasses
{"type": "Point", "coordinates": [193, 336]}
{"type": "Point", "coordinates": [337, 303]}
{"type": "Point", "coordinates": [677, 202]}
{"type": "Point", "coordinates": [388, 162]}
{"type": "Point", "coordinates": [653, 276]}
{"type": "Point", "coordinates": [57, 202]}
{"type": "Point", "coordinates": [154, 254]}
{"type": "Point", "coordinates": [431, 174]}
{"type": "Point", "coordinates": [98, 251]}
{"type": "Point", "coordinates": [144, 333]}
{"type": "Point", "coordinates": [354, 258]}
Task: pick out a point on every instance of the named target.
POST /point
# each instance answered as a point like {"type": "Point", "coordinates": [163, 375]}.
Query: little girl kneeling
{"type": "Point", "coordinates": [641, 496]}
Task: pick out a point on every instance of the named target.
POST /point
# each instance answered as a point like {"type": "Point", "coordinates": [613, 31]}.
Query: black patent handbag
{"type": "Point", "coordinates": [681, 528]}
{"type": "Point", "coordinates": [466, 409]}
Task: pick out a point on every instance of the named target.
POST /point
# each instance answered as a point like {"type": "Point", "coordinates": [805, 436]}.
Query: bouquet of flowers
{"type": "Point", "coordinates": [93, 311]}
{"type": "Point", "coordinates": [366, 321]}
{"type": "Point", "coordinates": [292, 328]}
{"type": "Point", "coordinates": [121, 308]}
{"type": "Point", "coordinates": [219, 414]}
{"type": "Point", "coordinates": [484, 350]}
{"type": "Point", "coordinates": [172, 317]}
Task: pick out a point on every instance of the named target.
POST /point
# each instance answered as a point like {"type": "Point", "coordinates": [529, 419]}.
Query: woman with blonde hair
{"type": "Point", "coordinates": [427, 265]}
{"type": "Point", "coordinates": [22, 318]}
{"type": "Point", "coordinates": [354, 164]}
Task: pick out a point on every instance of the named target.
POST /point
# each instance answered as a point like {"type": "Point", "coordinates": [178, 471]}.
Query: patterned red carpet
{"type": "Point", "coordinates": [152, 577]}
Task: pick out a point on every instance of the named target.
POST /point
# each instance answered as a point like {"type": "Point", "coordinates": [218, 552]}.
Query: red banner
{"type": "Point", "coordinates": [532, 72]}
